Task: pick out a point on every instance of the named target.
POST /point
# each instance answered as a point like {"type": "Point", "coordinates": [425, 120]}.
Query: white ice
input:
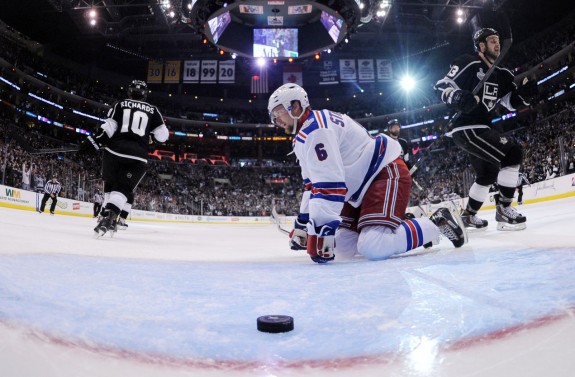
{"type": "Point", "coordinates": [167, 299]}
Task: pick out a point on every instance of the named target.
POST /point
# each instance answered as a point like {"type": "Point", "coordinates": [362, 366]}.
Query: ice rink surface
{"type": "Point", "coordinates": [167, 299]}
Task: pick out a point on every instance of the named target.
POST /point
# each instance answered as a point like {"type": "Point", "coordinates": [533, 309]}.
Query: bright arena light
{"type": "Point", "coordinates": [407, 83]}
{"type": "Point", "coordinates": [261, 62]}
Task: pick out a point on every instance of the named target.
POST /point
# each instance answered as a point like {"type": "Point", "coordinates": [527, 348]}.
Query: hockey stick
{"type": "Point", "coordinates": [275, 219]}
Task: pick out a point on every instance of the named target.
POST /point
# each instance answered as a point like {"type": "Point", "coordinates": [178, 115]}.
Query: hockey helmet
{"type": "Point", "coordinates": [481, 36]}
{"type": "Point", "coordinates": [138, 90]}
{"type": "Point", "coordinates": [391, 123]}
{"type": "Point", "coordinates": [285, 95]}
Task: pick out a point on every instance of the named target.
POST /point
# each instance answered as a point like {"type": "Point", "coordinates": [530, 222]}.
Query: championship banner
{"type": "Point", "coordinates": [155, 72]}
{"type": "Point", "coordinates": [260, 81]}
{"type": "Point", "coordinates": [209, 71]}
{"type": "Point", "coordinates": [191, 71]}
{"type": "Point", "coordinates": [172, 72]}
{"type": "Point", "coordinates": [366, 71]}
{"type": "Point", "coordinates": [347, 70]}
{"type": "Point", "coordinates": [328, 73]}
{"type": "Point", "coordinates": [384, 72]}
{"type": "Point", "coordinates": [293, 74]}
{"type": "Point", "coordinates": [227, 72]}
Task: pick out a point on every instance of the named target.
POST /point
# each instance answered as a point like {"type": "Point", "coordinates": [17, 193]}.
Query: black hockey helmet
{"type": "Point", "coordinates": [138, 90]}
{"type": "Point", "coordinates": [391, 123]}
{"type": "Point", "coordinates": [481, 36]}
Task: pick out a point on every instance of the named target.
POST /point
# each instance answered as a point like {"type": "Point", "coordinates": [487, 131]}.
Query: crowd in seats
{"type": "Point", "coordinates": [183, 188]}
{"type": "Point", "coordinates": [527, 54]}
{"type": "Point", "coordinates": [240, 190]}
{"type": "Point", "coordinates": [539, 47]}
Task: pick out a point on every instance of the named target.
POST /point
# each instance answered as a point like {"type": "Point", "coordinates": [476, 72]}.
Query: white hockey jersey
{"type": "Point", "coordinates": [339, 159]}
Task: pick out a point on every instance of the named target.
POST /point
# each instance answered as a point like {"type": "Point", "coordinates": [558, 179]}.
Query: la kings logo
{"type": "Point", "coordinates": [490, 91]}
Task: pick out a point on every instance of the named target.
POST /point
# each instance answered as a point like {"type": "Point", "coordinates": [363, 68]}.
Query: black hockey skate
{"type": "Point", "coordinates": [107, 223]}
{"type": "Point", "coordinates": [450, 225]}
{"type": "Point", "coordinates": [122, 224]}
{"type": "Point", "coordinates": [470, 220]}
{"type": "Point", "coordinates": [509, 219]}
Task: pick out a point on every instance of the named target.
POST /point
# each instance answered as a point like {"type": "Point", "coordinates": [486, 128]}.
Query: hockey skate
{"type": "Point", "coordinates": [450, 225]}
{"type": "Point", "coordinates": [471, 221]}
{"type": "Point", "coordinates": [106, 224]}
{"type": "Point", "coordinates": [509, 219]}
{"type": "Point", "coordinates": [122, 224]}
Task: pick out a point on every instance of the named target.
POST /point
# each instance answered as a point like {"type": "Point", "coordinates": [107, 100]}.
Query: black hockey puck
{"type": "Point", "coordinates": [275, 323]}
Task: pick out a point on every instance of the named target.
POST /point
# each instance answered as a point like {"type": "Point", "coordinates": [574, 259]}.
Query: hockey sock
{"type": "Point", "coordinates": [126, 210]}
{"type": "Point", "coordinates": [506, 195]}
{"type": "Point", "coordinates": [477, 195]}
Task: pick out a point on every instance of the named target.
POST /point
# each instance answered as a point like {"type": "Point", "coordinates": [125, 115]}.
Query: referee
{"type": "Point", "coordinates": [51, 190]}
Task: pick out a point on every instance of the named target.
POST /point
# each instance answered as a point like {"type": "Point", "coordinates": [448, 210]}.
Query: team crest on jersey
{"type": "Point", "coordinates": [490, 91]}
{"type": "Point", "coordinates": [480, 74]}
{"type": "Point", "coordinates": [503, 140]}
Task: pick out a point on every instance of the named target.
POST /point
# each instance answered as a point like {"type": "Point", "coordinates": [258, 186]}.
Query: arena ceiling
{"type": "Point", "coordinates": [128, 30]}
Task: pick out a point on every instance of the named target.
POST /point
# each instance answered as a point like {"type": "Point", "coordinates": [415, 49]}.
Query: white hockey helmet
{"type": "Point", "coordinates": [285, 95]}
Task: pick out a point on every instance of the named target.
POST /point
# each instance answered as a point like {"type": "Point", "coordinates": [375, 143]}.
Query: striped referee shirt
{"type": "Point", "coordinates": [52, 187]}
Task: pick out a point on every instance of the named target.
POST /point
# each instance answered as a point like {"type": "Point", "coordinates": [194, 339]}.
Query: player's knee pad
{"type": "Point", "coordinates": [379, 242]}
{"type": "Point", "coordinates": [513, 157]}
{"type": "Point", "coordinates": [345, 244]}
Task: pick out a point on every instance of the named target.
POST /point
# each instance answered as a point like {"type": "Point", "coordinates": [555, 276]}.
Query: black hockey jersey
{"type": "Point", "coordinates": [406, 151]}
{"type": "Point", "coordinates": [129, 126]}
{"type": "Point", "coordinates": [465, 73]}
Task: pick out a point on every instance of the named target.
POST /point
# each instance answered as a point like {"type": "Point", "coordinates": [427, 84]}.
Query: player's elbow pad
{"type": "Point", "coordinates": [161, 134]}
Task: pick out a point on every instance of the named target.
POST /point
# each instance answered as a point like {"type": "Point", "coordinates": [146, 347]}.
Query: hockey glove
{"type": "Point", "coordinates": [321, 242]}
{"type": "Point", "coordinates": [463, 100]}
{"type": "Point", "coordinates": [298, 235]}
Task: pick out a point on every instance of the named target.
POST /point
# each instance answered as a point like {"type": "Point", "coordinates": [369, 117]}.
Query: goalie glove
{"type": "Point", "coordinates": [298, 235]}
{"type": "Point", "coordinates": [321, 241]}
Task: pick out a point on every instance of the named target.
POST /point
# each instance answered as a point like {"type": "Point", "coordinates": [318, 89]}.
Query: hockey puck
{"type": "Point", "coordinates": [275, 323]}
